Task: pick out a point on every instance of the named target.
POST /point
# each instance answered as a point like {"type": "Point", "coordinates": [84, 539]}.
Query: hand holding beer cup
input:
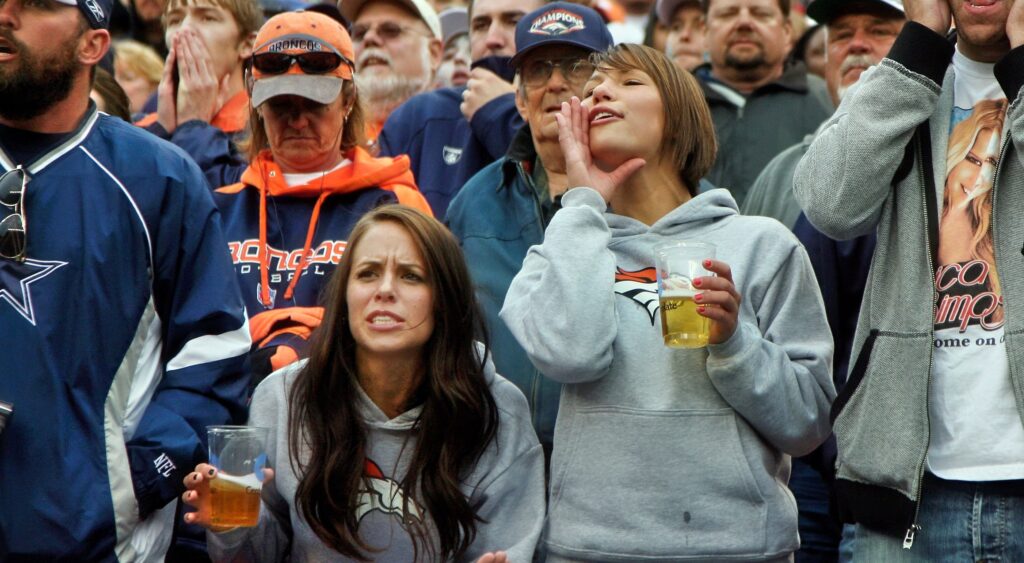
{"type": "Point", "coordinates": [696, 307]}
{"type": "Point", "coordinates": [226, 492]}
{"type": "Point", "coordinates": [718, 301]}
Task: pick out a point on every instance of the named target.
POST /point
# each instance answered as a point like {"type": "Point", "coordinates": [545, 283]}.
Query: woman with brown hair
{"type": "Point", "coordinates": [666, 453]}
{"type": "Point", "coordinates": [308, 182]}
{"type": "Point", "coordinates": [395, 440]}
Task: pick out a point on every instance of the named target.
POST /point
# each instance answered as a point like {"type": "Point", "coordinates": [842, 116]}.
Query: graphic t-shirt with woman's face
{"type": "Point", "coordinates": [976, 433]}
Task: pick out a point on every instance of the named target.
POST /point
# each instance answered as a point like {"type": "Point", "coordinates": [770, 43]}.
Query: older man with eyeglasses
{"type": "Point", "coordinates": [503, 210]}
{"type": "Point", "coordinates": [398, 49]}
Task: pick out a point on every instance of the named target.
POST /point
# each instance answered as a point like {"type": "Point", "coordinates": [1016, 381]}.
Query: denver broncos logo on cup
{"type": "Point", "coordinates": [385, 495]}
{"type": "Point", "coordinates": [640, 286]}
{"type": "Point", "coordinates": [556, 22]}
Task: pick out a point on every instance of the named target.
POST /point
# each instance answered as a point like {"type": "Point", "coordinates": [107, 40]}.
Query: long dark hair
{"type": "Point", "coordinates": [458, 421]}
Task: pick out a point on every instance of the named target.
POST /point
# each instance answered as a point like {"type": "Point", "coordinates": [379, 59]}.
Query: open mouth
{"type": "Point", "coordinates": [601, 115]}
{"type": "Point", "coordinates": [373, 60]}
{"type": "Point", "coordinates": [7, 48]}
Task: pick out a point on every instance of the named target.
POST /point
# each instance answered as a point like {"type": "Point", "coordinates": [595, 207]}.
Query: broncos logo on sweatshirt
{"type": "Point", "coordinates": [641, 286]}
{"type": "Point", "coordinates": [386, 495]}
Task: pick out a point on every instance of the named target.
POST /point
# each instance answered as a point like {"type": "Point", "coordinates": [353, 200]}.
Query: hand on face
{"type": "Point", "coordinates": [933, 14]}
{"type": "Point", "coordinates": [1015, 25]}
{"type": "Point", "coordinates": [482, 87]}
{"type": "Point", "coordinates": [718, 300]}
{"type": "Point", "coordinates": [574, 138]}
{"type": "Point", "coordinates": [200, 90]}
{"type": "Point", "coordinates": [166, 94]}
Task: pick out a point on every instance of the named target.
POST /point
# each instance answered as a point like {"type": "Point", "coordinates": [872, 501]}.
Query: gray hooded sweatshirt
{"type": "Point", "coordinates": [506, 488]}
{"type": "Point", "coordinates": [664, 454]}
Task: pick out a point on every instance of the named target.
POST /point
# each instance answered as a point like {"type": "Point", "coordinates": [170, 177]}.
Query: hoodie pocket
{"type": "Point", "coordinates": [631, 482]}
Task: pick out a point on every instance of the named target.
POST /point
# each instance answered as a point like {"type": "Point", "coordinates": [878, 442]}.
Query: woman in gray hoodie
{"type": "Point", "coordinates": [395, 441]}
{"type": "Point", "coordinates": [665, 454]}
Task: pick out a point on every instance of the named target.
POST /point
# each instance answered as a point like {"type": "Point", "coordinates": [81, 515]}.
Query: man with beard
{"type": "Point", "coordinates": [504, 209]}
{"type": "Point", "coordinates": [760, 105]}
{"type": "Point", "coordinates": [924, 152]}
{"type": "Point", "coordinates": [398, 49]}
{"type": "Point", "coordinates": [859, 33]}
{"type": "Point", "coordinates": [124, 337]}
{"type": "Point", "coordinates": [451, 133]}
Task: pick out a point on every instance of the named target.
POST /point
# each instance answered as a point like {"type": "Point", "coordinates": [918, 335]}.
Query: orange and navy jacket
{"type": "Point", "coordinates": [211, 145]}
{"type": "Point", "coordinates": [286, 241]}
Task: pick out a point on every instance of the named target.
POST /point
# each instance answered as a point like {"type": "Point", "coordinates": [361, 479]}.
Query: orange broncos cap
{"type": "Point", "coordinates": [295, 33]}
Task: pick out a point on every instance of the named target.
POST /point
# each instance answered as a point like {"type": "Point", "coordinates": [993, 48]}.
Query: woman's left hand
{"type": "Point", "coordinates": [493, 557]}
{"type": "Point", "coordinates": [718, 300]}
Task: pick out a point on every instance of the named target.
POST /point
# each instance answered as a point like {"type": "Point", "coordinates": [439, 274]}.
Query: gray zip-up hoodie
{"type": "Point", "coordinates": [506, 487]}
{"type": "Point", "coordinates": [663, 454]}
{"type": "Point", "coordinates": [845, 185]}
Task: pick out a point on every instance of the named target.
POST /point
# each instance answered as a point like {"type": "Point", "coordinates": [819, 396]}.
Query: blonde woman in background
{"type": "Point", "coordinates": [137, 68]}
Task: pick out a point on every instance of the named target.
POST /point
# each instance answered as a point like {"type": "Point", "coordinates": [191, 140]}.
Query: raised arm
{"type": "Point", "coordinates": [845, 178]}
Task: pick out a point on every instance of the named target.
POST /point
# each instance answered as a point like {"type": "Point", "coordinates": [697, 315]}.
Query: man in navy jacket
{"type": "Point", "coordinates": [124, 332]}
{"type": "Point", "coordinates": [451, 133]}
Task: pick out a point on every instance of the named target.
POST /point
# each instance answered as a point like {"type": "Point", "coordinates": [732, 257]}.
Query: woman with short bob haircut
{"type": "Point", "coordinates": [395, 440]}
{"type": "Point", "coordinates": [667, 453]}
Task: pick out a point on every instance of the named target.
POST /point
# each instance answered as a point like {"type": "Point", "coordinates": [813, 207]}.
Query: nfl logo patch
{"type": "Point", "coordinates": [451, 155]}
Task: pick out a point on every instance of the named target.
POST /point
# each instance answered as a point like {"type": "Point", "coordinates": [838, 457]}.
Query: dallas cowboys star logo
{"type": "Point", "coordinates": [15, 279]}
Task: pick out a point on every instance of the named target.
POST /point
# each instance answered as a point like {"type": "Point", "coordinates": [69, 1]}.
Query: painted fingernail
{"type": "Point", "coordinates": [701, 309]}
{"type": "Point", "coordinates": [698, 297]}
{"type": "Point", "coordinates": [707, 263]}
{"type": "Point", "coordinates": [212, 472]}
{"type": "Point", "coordinates": [697, 282]}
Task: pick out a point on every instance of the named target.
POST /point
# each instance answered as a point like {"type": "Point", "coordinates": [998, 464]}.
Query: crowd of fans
{"type": "Point", "coordinates": [414, 240]}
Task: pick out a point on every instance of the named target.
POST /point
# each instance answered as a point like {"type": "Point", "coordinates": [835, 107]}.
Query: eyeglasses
{"type": "Point", "coordinates": [12, 227]}
{"type": "Point", "coordinates": [385, 30]}
{"type": "Point", "coordinates": [537, 72]}
{"type": "Point", "coordinates": [320, 62]}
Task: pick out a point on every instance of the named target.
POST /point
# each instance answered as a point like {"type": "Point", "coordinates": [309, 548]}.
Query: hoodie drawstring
{"type": "Point", "coordinates": [305, 248]}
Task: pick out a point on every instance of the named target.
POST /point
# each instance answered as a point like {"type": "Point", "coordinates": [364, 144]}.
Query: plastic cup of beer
{"type": "Point", "coordinates": [240, 454]}
{"type": "Point", "coordinates": [678, 264]}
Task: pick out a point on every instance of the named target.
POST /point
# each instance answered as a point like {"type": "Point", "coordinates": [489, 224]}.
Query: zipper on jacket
{"type": "Point", "coordinates": [908, 539]}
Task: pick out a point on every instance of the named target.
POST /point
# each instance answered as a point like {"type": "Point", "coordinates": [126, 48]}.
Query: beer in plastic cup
{"type": "Point", "coordinates": [678, 264]}
{"type": "Point", "coordinates": [240, 454]}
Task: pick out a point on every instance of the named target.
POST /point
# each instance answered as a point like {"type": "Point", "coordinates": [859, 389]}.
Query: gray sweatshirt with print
{"type": "Point", "coordinates": [663, 454]}
{"type": "Point", "coordinates": [506, 487]}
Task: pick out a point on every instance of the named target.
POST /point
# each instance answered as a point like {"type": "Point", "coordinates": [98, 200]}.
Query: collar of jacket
{"type": "Point", "coordinates": [793, 79]}
{"type": "Point", "coordinates": [520, 151]}
{"type": "Point", "coordinates": [365, 170]}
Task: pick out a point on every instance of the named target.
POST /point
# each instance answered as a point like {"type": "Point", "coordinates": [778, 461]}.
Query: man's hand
{"type": "Point", "coordinates": [199, 88]}
{"type": "Point", "coordinates": [1015, 25]}
{"type": "Point", "coordinates": [933, 14]}
{"type": "Point", "coordinates": [482, 87]}
{"type": "Point", "coordinates": [166, 94]}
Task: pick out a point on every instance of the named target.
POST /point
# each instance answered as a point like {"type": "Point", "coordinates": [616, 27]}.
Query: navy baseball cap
{"type": "Point", "coordinates": [561, 23]}
{"type": "Point", "coordinates": [97, 12]}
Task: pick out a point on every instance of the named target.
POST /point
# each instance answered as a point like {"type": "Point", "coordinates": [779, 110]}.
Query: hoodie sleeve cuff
{"type": "Point", "coordinates": [730, 348]}
{"type": "Point", "coordinates": [923, 51]}
{"type": "Point", "coordinates": [584, 197]}
{"type": "Point", "coordinates": [1009, 72]}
